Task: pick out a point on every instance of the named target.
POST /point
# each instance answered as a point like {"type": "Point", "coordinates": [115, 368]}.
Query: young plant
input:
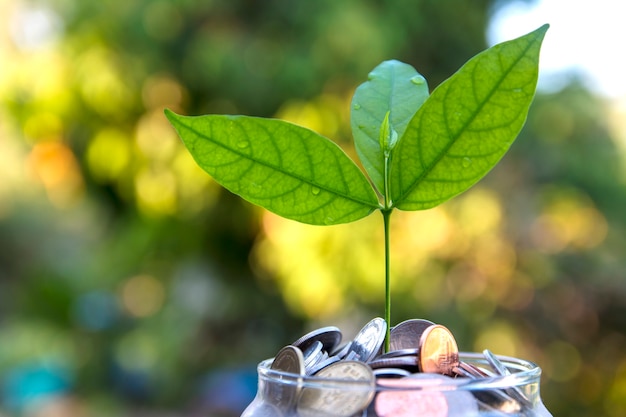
{"type": "Point", "coordinates": [419, 150]}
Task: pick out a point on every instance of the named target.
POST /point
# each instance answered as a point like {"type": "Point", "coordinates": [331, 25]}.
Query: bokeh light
{"type": "Point", "coordinates": [130, 280]}
{"type": "Point", "coordinates": [142, 295]}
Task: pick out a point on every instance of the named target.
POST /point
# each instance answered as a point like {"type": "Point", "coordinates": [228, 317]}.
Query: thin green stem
{"type": "Point", "coordinates": [386, 220]}
{"type": "Point", "coordinates": [386, 211]}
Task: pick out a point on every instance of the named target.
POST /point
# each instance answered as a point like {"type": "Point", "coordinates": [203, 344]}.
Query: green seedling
{"type": "Point", "coordinates": [418, 150]}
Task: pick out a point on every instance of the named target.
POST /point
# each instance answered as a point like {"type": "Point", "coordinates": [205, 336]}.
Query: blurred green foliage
{"type": "Point", "coordinates": [129, 281]}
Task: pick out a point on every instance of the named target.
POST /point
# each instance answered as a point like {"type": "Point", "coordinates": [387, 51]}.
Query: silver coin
{"type": "Point", "coordinates": [406, 335]}
{"type": "Point", "coordinates": [329, 336]}
{"type": "Point", "coordinates": [401, 352]}
{"type": "Point", "coordinates": [323, 356]}
{"type": "Point", "coordinates": [391, 373]}
{"type": "Point", "coordinates": [495, 363]}
{"type": "Point", "coordinates": [468, 370]}
{"type": "Point", "coordinates": [352, 356]}
{"type": "Point", "coordinates": [502, 370]}
{"type": "Point", "coordinates": [491, 400]}
{"type": "Point", "coordinates": [342, 351]}
{"type": "Point", "coordinates": [369, 341]}
{"type": "Point", "coordinates": [497, 403]}
{"type": "Point", "coordinates": [322, 364]}
{"type": "Point", "coordinates": [404, 362]}
{"type": "Point", "coordinates": [289, 360]}
{"type": "Point", "coordinates": [335, 400]}
{"type": "Point", "coordinates": [311, 353]}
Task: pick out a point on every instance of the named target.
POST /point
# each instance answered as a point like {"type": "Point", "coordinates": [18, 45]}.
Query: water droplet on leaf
{"type": "Point", "coordinates": [315, 191]}
{"type": "Point", "coordinates": [357, 106]}
{"type": "Point", "coordinates": [466, 162]}
{"type": "Point", "coordinates": [418, 80]}
{"type": "Point", "coordinates": [243, 144]}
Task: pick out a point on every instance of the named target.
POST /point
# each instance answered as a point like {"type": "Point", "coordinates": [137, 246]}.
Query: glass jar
{"type": "Point", "coordinates": [513, 392]}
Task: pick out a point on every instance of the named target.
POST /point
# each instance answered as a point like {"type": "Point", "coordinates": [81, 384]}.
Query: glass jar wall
{"type": "Point", "coordinates": [483, 386]}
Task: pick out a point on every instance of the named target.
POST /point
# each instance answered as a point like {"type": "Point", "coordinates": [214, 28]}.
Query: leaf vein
{"type": "Point", "coordinates": [470, 119]}
{"type": "Point", "coordinates": [281, 171]}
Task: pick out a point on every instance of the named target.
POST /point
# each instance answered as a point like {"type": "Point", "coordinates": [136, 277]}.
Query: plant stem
{"type": "Point", "coordinates": [386, 220]}
{"type": "Point", "coordinates": [386, 144]}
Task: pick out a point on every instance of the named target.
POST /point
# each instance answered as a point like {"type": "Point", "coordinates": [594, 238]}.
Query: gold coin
{"type": "Point", "coordinates": [438, 351]}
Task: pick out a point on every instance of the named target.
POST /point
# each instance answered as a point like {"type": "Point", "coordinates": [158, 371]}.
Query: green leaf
{"type": "Point", "coordinates": [393, 87]}
{"type": "Point", "coordinates": [287, 169]}
{"type": "Point", "coordinates": [387, 137]}
{"type": "Point", "coordinates": [466, 125]}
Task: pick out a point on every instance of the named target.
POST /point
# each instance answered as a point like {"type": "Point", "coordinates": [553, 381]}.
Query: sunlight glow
{"type": "Point", "coordinates": [584, 37]}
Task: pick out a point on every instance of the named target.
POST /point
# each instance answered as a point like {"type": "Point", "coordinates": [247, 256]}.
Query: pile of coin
{"type": "Point", "coordinates": [403, 381]}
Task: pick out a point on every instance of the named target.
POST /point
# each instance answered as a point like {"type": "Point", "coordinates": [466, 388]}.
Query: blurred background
{"type": "Point", "coordinates": [132, 285]}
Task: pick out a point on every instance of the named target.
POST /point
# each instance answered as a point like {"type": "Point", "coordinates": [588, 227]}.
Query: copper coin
{"type": "Point", "coordinates": [429, 395]}
{"type": "Point", "coordinates": [409, 402]}
{"type": "Point", "coordinates": [406, 335]}
{"type": "Point", "coordinates": [438, 351]}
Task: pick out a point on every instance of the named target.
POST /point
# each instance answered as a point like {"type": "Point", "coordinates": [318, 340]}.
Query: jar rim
{"type": "Point", "coordinates": [523, 372]}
